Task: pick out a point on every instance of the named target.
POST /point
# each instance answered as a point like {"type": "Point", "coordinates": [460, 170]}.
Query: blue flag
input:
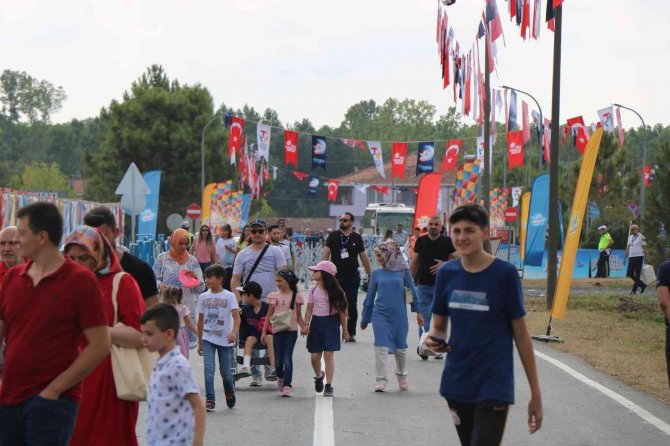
{"type": "Point", "coordinates": [425, 157]}
{"type": "Point", "coordinates": [313, 185]}
{"type": "Point", "coordinates": [149, 216]}
{"type": "Point", "coordinates": [538, 218]}
{"type": "Point", "coordinates": [511, 119]}
{"type": "Point", "coordinates": [318, 152]}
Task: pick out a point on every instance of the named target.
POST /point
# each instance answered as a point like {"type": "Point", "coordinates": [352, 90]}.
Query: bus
{"type": "Point", "coordinates": [382, 216]}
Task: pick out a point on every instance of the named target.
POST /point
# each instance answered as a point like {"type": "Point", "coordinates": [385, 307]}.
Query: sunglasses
{"type": "Point", "coordinates": [344, 220]}
{"type": "Point", "coordinates": [257, 231]}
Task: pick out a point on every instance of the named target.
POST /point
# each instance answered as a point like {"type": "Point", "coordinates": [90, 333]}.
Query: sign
{"type": "Point", "coordinates": [174, 221]}
{"type": "Point", "coordinates": [193, 211]}
{"type": "Point", "coordinates": [511, 214]}
{"type": "Point", "coordinates": [633, 209]}
{"type": "Point", "coordinates": [133, 204]}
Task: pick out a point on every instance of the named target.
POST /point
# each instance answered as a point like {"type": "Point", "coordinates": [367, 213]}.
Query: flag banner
{"type": "Point", "coordinates": [493, 19]}
{"type": "Point", "coordinates": [425, 158]}
{"type": "Point", "coordinates": [516, 196]}
{"type": "Point", "coordinates": [381, 189]}
{"type": "Point", "coordinates": [362, 188]}
{"type": "Point", "coordinates": [291, 148]}
{"type": "Point", "coordinates": [620, 127]}
{"type": "Point", "coordinates": [525, 123]}
{"type": "Point", "coordinates": [557, 3]}
{"type": "Point", "coordinates": [518, 5]}
{"type": "Point", "coordinates": [549, 18]}
{"type": "Point", "coordinates": [219, 207]}
{"type": "Point", "coordinates": [497, 206]}
{"type": "Point", "coordinates": [546, 139]}
{"type": "Point", "coordinates": [149, 216]}
{"type": "Point", "coordinates": [575, 226]}
{"type": "Point", "coordinates": [514, 149]}
{"type": "Point", "coordinates": [246, 207]}
{"type": "Point", "coordinates": [263, 132]}
{"type": "Point", "coordinates": [427, 199]}
{"type": "Point", "coordinates": [300, 175]}
{"type": "Point", "coordinates": [525, 19]}
{"type": "Point", "coordinates": [465, 190]}
{"type": "Point", "coordinates": [313, 185]}
{"type": "Point", "coordinates": [206, 208]}
{"type": "Point", "coordinates": [606, 116]}
{"type": "Point", "coordinates": [579, 133]}
{"type": "Point", "coordinates": [451, 155]}
{"type": "Point", "coordinates": [355, 143]}
{"type": "Point", "coordinates": [274, 172]}
{"type": "Point", "coordinates": [235, 136]}
{"type": "Point", "coordinates": [647, 175]}
{"type": "Point", "coordinates": [511, 117]}
{"type": "Point", "coordinates": [376, 153]}
{"type": "Point", "coordinates": [318, 152]}
{"type": "Point", "coordinates": [525, 207]}
{"type": "Point", "coordinates": [537, 18]}
{"type": "Point", "coordinates": [538, 217]}
{"type": "Point", "coordinates": [332, 189]}
{"type": "Point", "coordinates": [398, 159]}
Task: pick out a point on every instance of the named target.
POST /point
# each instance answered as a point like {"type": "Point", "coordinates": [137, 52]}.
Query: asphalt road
{"type": "Point", "coordinates": [575, 413]}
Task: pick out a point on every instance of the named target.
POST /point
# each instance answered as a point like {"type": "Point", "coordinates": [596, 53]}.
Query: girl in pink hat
{"type": "Point", "coordinates": [326, 313]}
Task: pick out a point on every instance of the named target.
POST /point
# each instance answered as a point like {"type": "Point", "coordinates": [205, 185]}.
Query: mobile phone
{"type": "Point", "coordinates": [440, 341]}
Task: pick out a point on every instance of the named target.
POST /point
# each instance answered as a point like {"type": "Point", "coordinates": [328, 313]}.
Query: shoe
{"type": "Point", "coordinates": [328, 390]}
{"type": "Point", "coordinates": [270, 374]}
{"type": "Point", "coordinates": [380, 387]}
{"type": "Point", "coordinates": [439, 356]}
{"type": "Point", "coordinates": [256, 381]}
{"type": "Point", "coordinates": [280, 384]}
{"type": "Point", "coordinates": [244, 372]}
{"type": "Point", "coordinates": [642, 288]}
{"type": "Point", "coordinates": [418, 352]}
{"type": "Point", "coordinates": [318, 383]}
{"type": "Point", "coordinates": [402, 382]}
{"type": "Point", "coordinates": [230, 399]}
{"type": "Point", "coordinates": [287, 392]}
{"type": "Point", "coordinates": [352, 338]}
{"type": "Point", "coordinates": [210, 405]}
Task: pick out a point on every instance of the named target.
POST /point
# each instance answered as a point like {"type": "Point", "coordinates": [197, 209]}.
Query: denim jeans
{"type": "Point", "coordinates": [225, 367]}
{"type": "Point", "coordinates": [284, 342]}
{"type": "Point", "coordinates": [426, 300]}
{"type": "Point", "coordinates": [38, 422]}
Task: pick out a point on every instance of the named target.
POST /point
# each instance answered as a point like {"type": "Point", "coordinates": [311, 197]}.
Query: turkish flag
{"type": "Point", "coordinates": [290, 148]}
{"type": "Point", "coordinates": [398, 159]}
{"type": "Point", "coordinates": [451, 154]}
{"type": "Point", "coordinates": [515, 149]}
{"type": "Point", "coordinates": [235, 136]}
{"type": "Point", "coordinates": [332, 190]}
{"type": "Point", "coordinates": [300, 175]}
{"type": "Point", "coordinates": [381, 189]}
{"type": "Point", "coordinates": [579, 134]}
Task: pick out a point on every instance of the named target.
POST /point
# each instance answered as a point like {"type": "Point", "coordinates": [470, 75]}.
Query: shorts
{"type": "Point", "coordinates": [324, 334]}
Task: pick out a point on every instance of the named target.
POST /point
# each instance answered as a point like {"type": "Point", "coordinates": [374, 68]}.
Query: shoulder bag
{"type": "Point", "coordinates": [131, 367]}
{"type": "Point", "coordinates": [258, 260]}
{"type": "Point", "coordinates": [409, 297]}
{"type": "Point", "coordinates": [282, 321]}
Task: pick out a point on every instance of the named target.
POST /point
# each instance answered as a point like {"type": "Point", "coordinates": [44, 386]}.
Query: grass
{"type": "Point", "coordinates": [621, 336]}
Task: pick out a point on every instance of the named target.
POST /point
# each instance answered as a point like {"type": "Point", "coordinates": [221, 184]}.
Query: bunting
{"type": "Point", "coordinates": [425, 158]}
{"type": "Point", "coordinates": [451, 154]}
{"type": "Point", "coordinates": [333, 185]}
{"type": "Point", "coordinates": [263, 132]}
{"type": "Point", "coordinates": [235, 135]}
{"type": "Point", "coordinates": [399, 158]}
{"type": "Point", "coordinates": [376, 153]}
{"type": "Point", "coordinates": [318, 152]}
{"type": "Point", "coordinates": [515, 149]}
{"type": "Point", "coordinates": [290, 148]}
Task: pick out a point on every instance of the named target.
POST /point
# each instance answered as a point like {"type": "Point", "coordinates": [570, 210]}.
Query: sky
{"type": "Point", "coordinates": [314, 59]}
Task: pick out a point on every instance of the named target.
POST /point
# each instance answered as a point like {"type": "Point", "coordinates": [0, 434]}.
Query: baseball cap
{"type": "Point", "coordinates": [257, 223]}
{"type": "Point", "coordinates": [252, 288]}
{"type": "Point", "coordinates": [325, 266]}
{"type": "Point", "coordinates": [602, 228]}
{"type": "Point", "coordinates": [186, 224]}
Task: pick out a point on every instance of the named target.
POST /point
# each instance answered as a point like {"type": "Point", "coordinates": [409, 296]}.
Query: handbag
{"type": "Point", "coordinates": [131, 367]}
{"type": "Point", "coordinates": [648, 274]}
{"type": "Point", "coordinates": [282, 321]}
{"type": "Point", "coordinates": [409, 297]}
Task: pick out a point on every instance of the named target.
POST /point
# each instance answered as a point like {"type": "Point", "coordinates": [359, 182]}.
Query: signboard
{"type": "Point", "coordinates": [193, 211]}
{"type": "Point", "coordinates": [511, 214]}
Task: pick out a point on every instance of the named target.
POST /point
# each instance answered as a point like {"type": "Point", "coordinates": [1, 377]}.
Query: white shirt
{"type": "Point", "coordinates": [635, 244]}
{"type": "Point", "coordinates": [170, 418]}
{"type": "Point", "coordinates": [216, 309]}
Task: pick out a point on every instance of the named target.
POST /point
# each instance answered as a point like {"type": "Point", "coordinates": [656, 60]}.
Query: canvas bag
{"type": "Point", "coordinates": [648, 274]}
{"type": "Point", "coordinates": [131, 367]}
{"type": "Point", "coordinates": [282, 321]}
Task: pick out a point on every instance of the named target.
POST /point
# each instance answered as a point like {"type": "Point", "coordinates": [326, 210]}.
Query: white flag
{"type": "Point", "coordinates": [606, 116]}
{"type": "Point", "coordinates": [361, 187]}
{"type": "Point", "coordinates": [376, 153]}
{"type": "Point", "coordinates": [263, 139]}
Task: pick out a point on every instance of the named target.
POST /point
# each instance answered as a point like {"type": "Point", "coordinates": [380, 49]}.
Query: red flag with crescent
{"type": "Point", "coordinates": [451, 155]}
{"type": "Point", "coordinates": [332, 190]}
{"type": "Point", "coordinates": [398, 160]}
{"type": "Point", "coordinates": [235, 136]}
{"type": "Point", "coordinates": [300, 175]}
{"type": "Point", "coordinates": [381, 189]}
{"type": "Point", "coordinates": [290, 148]}
{"type": "Point", "coordinates": [579, 134]}
{"type": "Point", "coordinates": [515, 149]}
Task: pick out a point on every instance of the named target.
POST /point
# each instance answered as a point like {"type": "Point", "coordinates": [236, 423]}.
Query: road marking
{"type": "Point", "coordinates": [625, 402]}
{"type": "Point", "coordinates": [324, 434]}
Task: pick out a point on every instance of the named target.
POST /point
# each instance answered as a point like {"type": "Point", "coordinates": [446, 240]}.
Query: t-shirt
{"type": "Point", "coordinates": [225, 257]}
{"type": "Point", "coordinates": [272, 261]}
{"type": "Point", "coordinates": [663, 279]}
{"type": "Point", "coordinates": [347, 268]}
{"type": "Point", "coordinates": [44, 325]}
{"type": "Point", "coordinates": [170, 417]}
{"type": "Point", "coordinates": [429, 250]}
{"type": "Point", "coordinates": [141, 272]}
{"type": "Point", "coordinates": [318, 297]}
{"type": "Point", "coordinates": [282, 302]}
{"type": "Point", "coordinates": [216, 309]}
{"type": "Point", "coordinates": [285, 246]}
{"type": "Point", "coordinates": [203, 251]}
{"type": "Point", "coordinates": [480, 307]}
{"type": "Point", "coordinates": [635, 245]}
{"type": "Point", "coordinates": [252, 322]}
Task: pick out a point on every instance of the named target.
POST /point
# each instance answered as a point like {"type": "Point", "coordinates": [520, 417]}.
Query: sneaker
{"type": "Point", "coordinates": [328, 390]}
{"type": "Point", "coordinates": [192, 345]}
{"type": "Point", "coordinates": [642, 288]}
{"type": "Point", "coordinates": [210, 405]}
{"type": "Point", "coordinates": [280, 384]}
{"type": "Point", "coordinates": [230, 399]}
{"type": "Point", "coordinates": [380, 387]}
{"type": "Point", "coordinates": [270, 374]}
{"type": "Point", "coordinates": [287, 392]}
{"type": "Point", "coordinates": [402, 382]}
{"type": "Point", "coordinates": [352, 338]}
{"type": "Point", "coordinates": [439, 356]}
{"type": "Point", "coordinates": [318, 383]}
{"type": "Point", "coordinates": [244, 372]}
{"type": "Point", "coordinates": [421, 355]}
{"type": "Point", "coordinates": [256, 381]}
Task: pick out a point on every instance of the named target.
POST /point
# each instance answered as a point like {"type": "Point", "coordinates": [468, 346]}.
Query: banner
{"type": "Point", "coordinates": [149, 216]}
{"type": "Point", "coordinates": [263, 132]}
{"type": "Point", "coordinates": [376, 153]}
{"type": "Point", "coordinates": [313, 185]}
{"type": "Point", "coordinates": [538, 217]}
{"type": "Point", "coordinates": [525, 206]}
{"type": "Point", "coordinates": [451, 155]}
{"type": "Point", "coordinates": [399, 158]}
{"type": "Point", "coordinates": [332, 190]}
{"type": "Point", "coordinates": [620, 126]}
{"type": "Point", "coordinates": [426, 200]}
{"type": "Point", "coordinates": [235, 136]}
{"type": "Point", "coordinates": [291, 148]}
{"type": "Point", "coordinates": [606, 116]}
{"type": "Point", "coordinates": [425, 158]}
{"type": "Point", "coordinates": [206, 211]}
{"type": "Point", "coordinates": [318, 152]}
{"type": "Point", "coordinates": [515, 149]}
{"type": "Point", "coordinates": [575, 226]}
{"type": "Point", "coordinates": [219, 206]}
{"type": "Point", "coordinates": [246, 206]}
{"type": "Point", "coordinates": [465, 189]}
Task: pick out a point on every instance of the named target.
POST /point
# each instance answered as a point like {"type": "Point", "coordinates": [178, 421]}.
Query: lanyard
{"type": "Point", "coordinates": [344, 241]}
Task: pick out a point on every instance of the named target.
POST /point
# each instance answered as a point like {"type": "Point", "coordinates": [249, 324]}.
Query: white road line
{"type": "Point", "coordinates": [642, 413]}
{"type": "Point", "coordinates": [324, 434]}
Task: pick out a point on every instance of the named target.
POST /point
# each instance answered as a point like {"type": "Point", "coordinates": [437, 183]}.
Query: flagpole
{"type": "Point", "coordinates": [486, 179]}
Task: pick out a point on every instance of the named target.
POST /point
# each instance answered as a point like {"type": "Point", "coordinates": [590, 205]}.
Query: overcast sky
{"type": "Point", "coordinates": [314, 59]}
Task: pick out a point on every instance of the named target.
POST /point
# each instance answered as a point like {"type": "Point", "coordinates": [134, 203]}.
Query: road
{"type": "Point", "coordinates": [576, 413]}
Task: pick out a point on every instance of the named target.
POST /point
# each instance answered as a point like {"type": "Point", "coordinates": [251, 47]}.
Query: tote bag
{"type": "Point", "coordinates": [282, 321]}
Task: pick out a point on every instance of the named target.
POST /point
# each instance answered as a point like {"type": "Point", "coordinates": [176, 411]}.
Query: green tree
{"type": "Point", "coordinates": [21, 95]}
{"type": "Point", "coordinates": [657, 226]}
{"type": "Point", "coordinates": [44, 177]}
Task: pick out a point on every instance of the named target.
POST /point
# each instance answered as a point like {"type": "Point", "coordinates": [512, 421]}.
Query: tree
{"type": "Point", "coordinates": [21, 95]}
{"type": "Point", "coordinates": [657, 224]}
{"type": "Point", "coordinates": [43, 177]}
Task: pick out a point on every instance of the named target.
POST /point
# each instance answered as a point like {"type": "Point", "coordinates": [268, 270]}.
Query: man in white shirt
{"type": "Point", "coordinates": [635, 253]}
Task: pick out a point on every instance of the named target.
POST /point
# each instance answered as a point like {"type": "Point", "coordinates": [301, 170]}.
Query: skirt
{"type": "Point", "coordinates": [182, 341]}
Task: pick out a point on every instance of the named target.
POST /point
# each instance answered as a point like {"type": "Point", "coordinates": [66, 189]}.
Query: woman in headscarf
{"type": "Point", "coordinates": [204, 248]}
{"type": "Point", "coordinates": [103, 419]}
{"type": "Point", "coordinates": [385, 308]}
{"type": "Point", "coordinates": [169, 264]}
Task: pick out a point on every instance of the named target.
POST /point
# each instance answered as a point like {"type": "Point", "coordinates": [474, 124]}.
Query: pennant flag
{"type": "Point", "coordinates": [263, 139]}
{"type": "Point", "coordinates": [313, 185]}
{"type": "Point", "coordinates": [381, 189]}
{"type": "Point", "coordinates": [355, 143]}
{"type": "Point", "coordinates": [518, 5]}
{"type": "Point", "coordinates": [648, 175]}
{"type": "Point", "coordinates": [537, 18]}
{"type": "Point", "coordinates": [511, 119]}
{"type": "Point", "coordinates": [300, 175]}
{"type": "Point", "coordinates": [376, 153]}
{"type": "Point", "coordinates": [515, 149]}
{"type": "Point", "coordinates": [451, 155]}
{"type": "Point", "coordinates": [318, 152]}
{"type": "Point", "coordinates": [332, 189]}
{"type": "Point", "coordinates": [399, 158]}
{"type": "Point", "coordinates": [425, 157]}
{"type": "Point", "coordinates": [579, 133]}
{"type": "Point", "coordinates": [493, 19]}
{"type": "Point", "coordinates": [525, 19]}
{"type": "Point", "coordinates": [606, 116]}
{"type": "Point", "coordinates": [291, 148]}
{"type": "Point", "coordinates": [618, 123]}
{"type": "Point", "coordinates": [575, 226]}
{"type": "Point", "coordinates": [235, 136]}
{"type": "Point", "coordinates": [426, 199]}
{"type": "Point", "coordinates": [525, 127]}
{"type": "Point", "coordinates": [525, 207]}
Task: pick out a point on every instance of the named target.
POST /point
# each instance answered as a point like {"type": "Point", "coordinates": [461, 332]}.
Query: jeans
{"type": "Point", "coordinates": [38, 422]}
{"type": "Point", "coordinates": [350, 287]}
{"type": "Point", "coordinates": [225, 367]}
{"type": "Point", "coordinates": [480, 424]}
{"type": "Point", "coordinates": [425, 295]}
{"type": "Point", "coordinates": [634, 271]}
{"type": "Point", "coordinates": [284, 342]}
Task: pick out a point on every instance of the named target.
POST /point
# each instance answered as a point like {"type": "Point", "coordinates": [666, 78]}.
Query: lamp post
{"type": "Point", "coordinates": [540, 125]}
{"type": "Point", "coordinates": [202, 157]}
{"type": "Point", "coordinates": [644, 160]}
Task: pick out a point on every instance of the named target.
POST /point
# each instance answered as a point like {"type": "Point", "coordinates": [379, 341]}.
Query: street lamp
{"type": "Point", "coordinates": [540, 124]}
{"type": "Point", "coordinates": [202, 157]}
{"type": "Point", "coordinates": [644, 159]}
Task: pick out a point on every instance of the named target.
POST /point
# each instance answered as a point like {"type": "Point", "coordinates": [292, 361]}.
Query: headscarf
{"type": "Point", "coordinates": [391, 256]}
{"type": "Point", "coordinates": [96, 245]}
{"type": "Point", "coordinates": [288, 275]}
{"type": "Point", "coordinates": [175, 238]}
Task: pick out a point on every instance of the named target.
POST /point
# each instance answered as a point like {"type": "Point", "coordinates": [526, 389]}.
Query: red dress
{"type": "Point", "coordinates": [103, 419]}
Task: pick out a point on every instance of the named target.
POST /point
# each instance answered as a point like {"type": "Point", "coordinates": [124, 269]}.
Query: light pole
{"type": "Point", "coordinates": [202, 157]}
{"type": "Point", "coordinates": [644, 160]}
{"type": "Point", "coordinates": [540, 125]}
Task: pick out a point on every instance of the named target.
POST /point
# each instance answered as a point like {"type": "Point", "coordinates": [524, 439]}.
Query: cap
{"type": "Point", "coordinates": [252, 288]}
{"type": "Point", "coordinates": [325, 266]}
{"type": "Point", "coordinates": [602, 228]}
{"type": "Point", "coordinates": [186, 224]}
{"type": "Point", "coordinates": [257, 223]}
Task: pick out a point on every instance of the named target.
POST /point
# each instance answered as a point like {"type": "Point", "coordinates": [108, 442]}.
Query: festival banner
{"type": "Point", "coordinates": [206, 209]}
{"type": "Point", "coordinates": [427, 198]}
{"type": "Point", "coordinates": [219, 205]}
{"type": "Point", "coordinates": [291, 148]}
{"type": "Point", "coordinates": [318, 152]}
{"type": "Point", "coordinates": [465, 189]}
{"type": "Point", "coordinates": [263, 132]}
{"type": "Point", "coordinates": [425, 157]}
{"type": "Point", "coordinates": [246, 206]}
{"type": "Point", "coordinates": [332, 189]}
{"type": "Point", "coordinates": [376, 153]}
{"type": "Point", "coordinates": [451, 155]}
{"type": "Point", "coordinates": [525, 208]}
{"type": "Point", "coordinates": [355, 143]}
{"type": "Point", "coordinates": [515, 149]}
{"type": "Point", "coordinates": [149, 216]}
{"type": "Point", "coordinates": [538, 217]}
{"type": "Point", "coordinates": [576, 220]}
{"type": "Point", "coordinates": [313, 185]}
{"type": "Point", "coordinates": [647, 175]}
{"type": "Point", "coordinates": [235, 136]}
{"type": "Point", "coordinates": [398, 159]}
{"type": "Point", "coordinates": [606, 116]}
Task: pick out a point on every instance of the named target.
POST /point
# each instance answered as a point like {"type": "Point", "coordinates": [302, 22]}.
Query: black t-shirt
{"type": "Point", "coordinates": [346, 268]}
{"type": "Point", "coordinates": [663, 279]}
{"type": "Point", "coordinates": [250, 320]}
{"type": "Point", "coordinates": [141, 272]}
{"type": "Point", "coordinates": [429, 250]}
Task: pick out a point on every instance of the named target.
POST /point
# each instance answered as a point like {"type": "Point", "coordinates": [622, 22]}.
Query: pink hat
{"type": "Point", "coordinates": [326, 266]}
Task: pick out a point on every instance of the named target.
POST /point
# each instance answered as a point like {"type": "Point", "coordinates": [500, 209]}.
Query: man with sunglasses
{"type": "Point", "coordinates": [343, 248]}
